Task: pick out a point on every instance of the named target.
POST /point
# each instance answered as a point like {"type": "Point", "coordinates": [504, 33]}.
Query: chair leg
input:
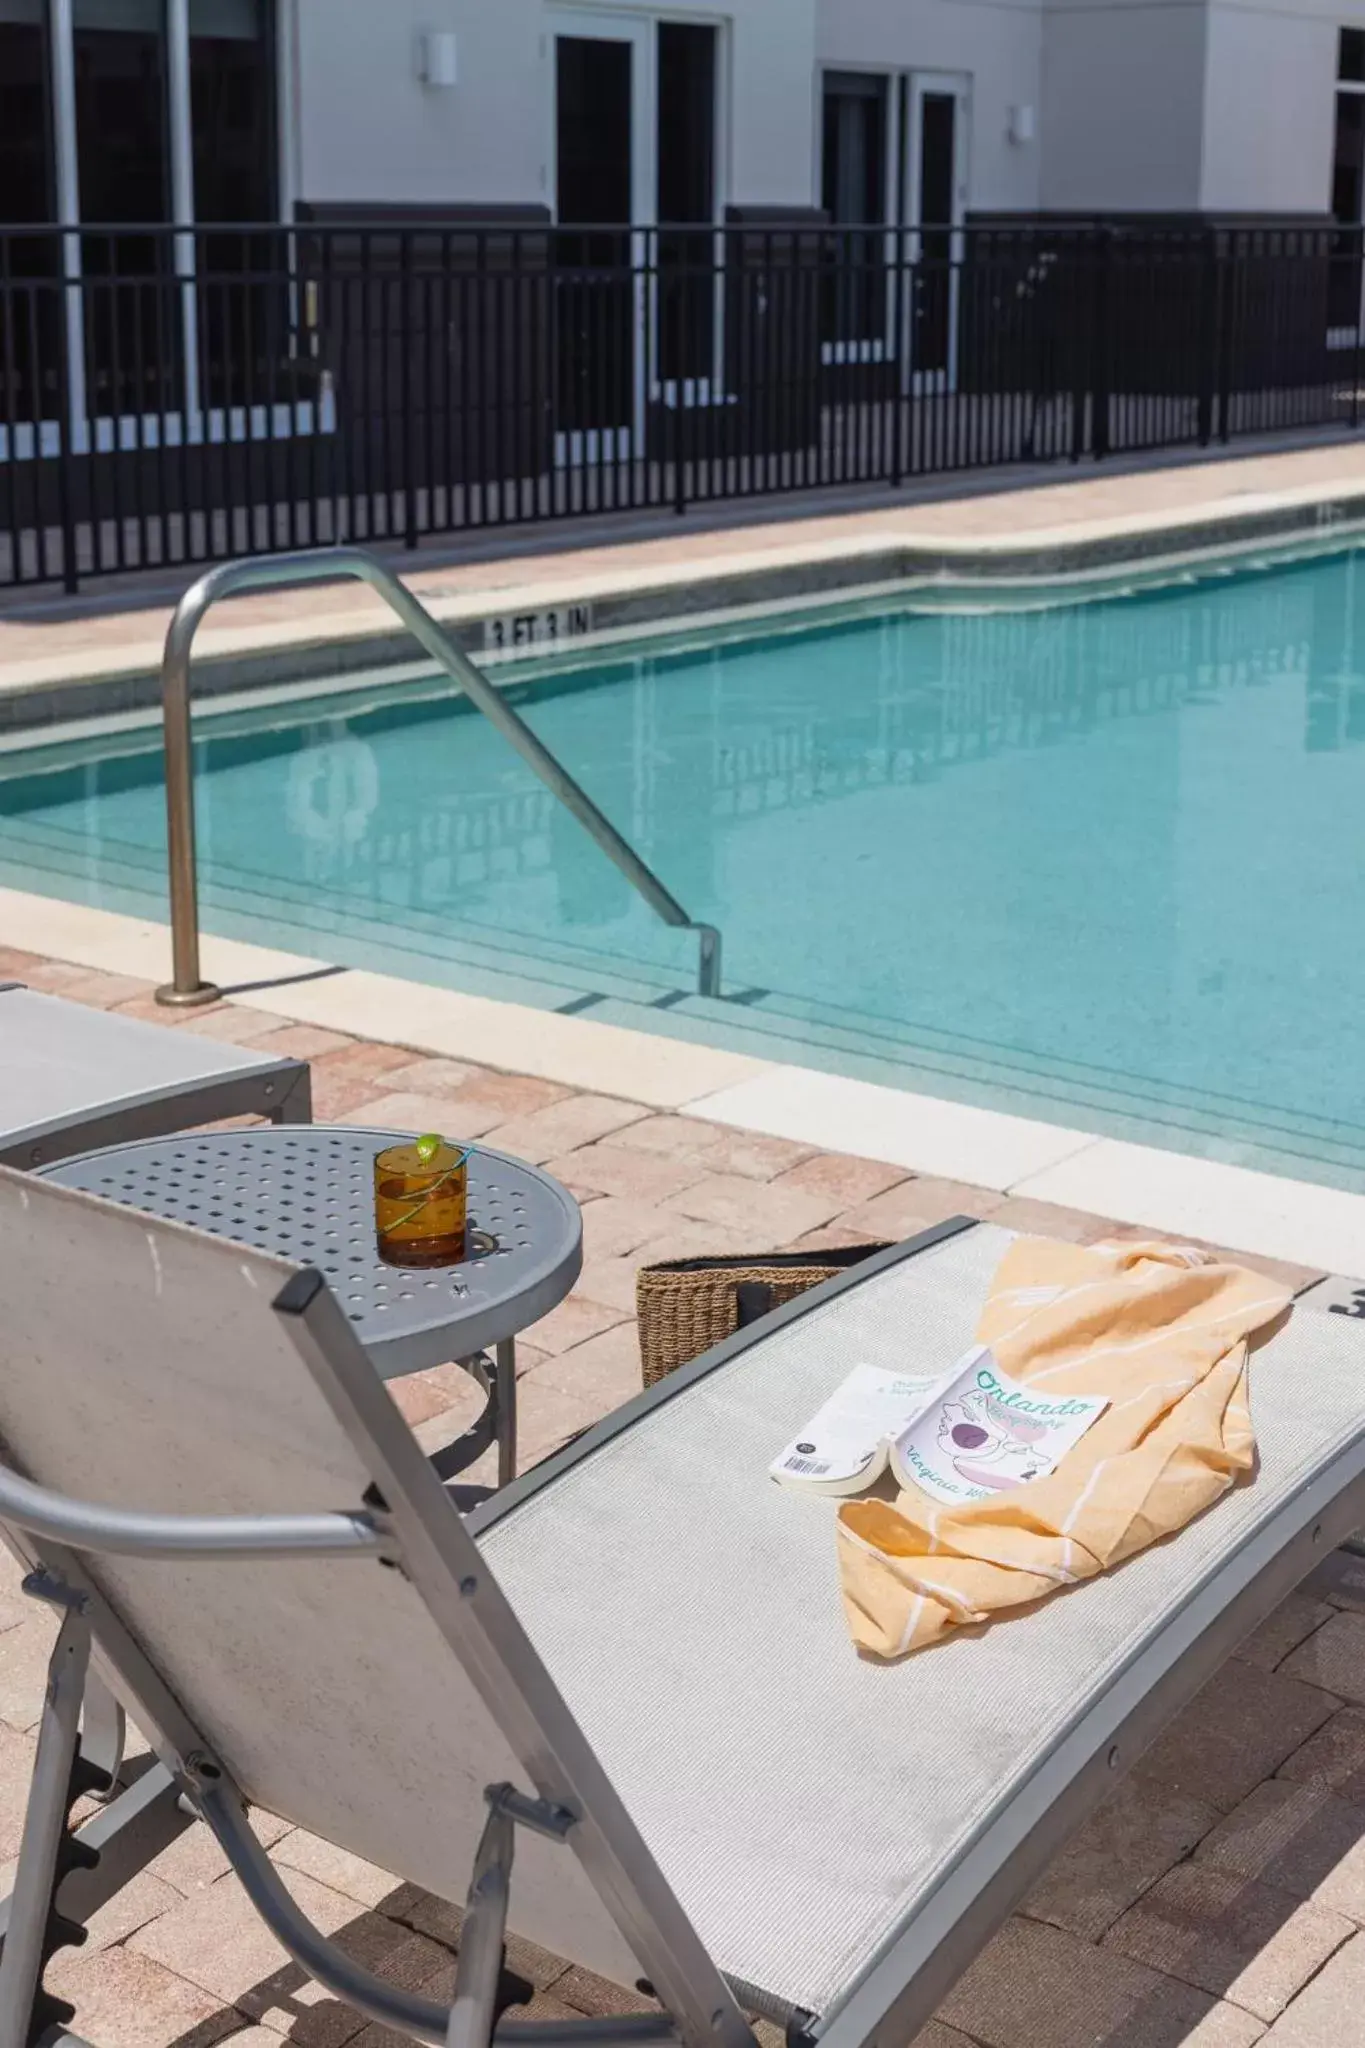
{"type": "Point", "coordinates": [478, 1971]}
{"type": "Point", "coordinates": [297, 1106]}
{"type": "Point", "coordinates": [506, 1387]}
{"type": "Point", "coordinates": [115, 1844]}
{"type": "Point", "coordinates": [104, 1730]}
{"type": "Point", "coordinates": [35, 1927]}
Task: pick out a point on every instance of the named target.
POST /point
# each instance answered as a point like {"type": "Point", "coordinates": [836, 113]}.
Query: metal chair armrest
{"type": "Point", "coordinates": [84, 1525]}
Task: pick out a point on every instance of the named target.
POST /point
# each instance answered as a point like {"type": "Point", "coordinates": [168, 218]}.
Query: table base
{"type": "Point", "coordinates": [498, 1422]}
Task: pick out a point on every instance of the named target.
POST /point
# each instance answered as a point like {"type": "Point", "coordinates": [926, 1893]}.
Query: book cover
{"type": "Point", "coordinates": [960, 1436]}
{"type": "Point", "coordinates": [983, 1433]}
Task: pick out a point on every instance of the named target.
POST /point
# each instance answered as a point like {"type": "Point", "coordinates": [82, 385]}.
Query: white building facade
{"type": "Point", "coordinates": [1119, 107]}
{"type": "Point", "coordinates": [874, 110]}
{"type": "Point", "coordinates": [901, 121]}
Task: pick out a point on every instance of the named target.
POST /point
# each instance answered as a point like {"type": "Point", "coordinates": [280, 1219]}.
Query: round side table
{"type": "Point", "coordinates": [306, 1193]}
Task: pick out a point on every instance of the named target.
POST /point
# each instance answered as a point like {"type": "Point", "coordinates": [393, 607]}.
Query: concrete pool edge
{"type": "Point", "coordinates": [1134, 1184]}
{"type": "Point", "coordinates": [730, 587]}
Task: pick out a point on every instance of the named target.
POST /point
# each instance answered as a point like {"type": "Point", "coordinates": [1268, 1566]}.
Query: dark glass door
{"type": "Point", "coordinates": [132, 322]}
{"type": "Point", "coordinates": [243, 321]}
{"type": "Point", "coordinates": [232, 110]}
{"type": "Point", "coordinates": [686, 181]}
{"type": "Point", "coordinates": [594, 286]}
{"type": "Point", "coordinates": [1348, 208]}
{"type": "Point", "coordinates": [30, 383]}
{"type": "Point", "coordinates": [853, 194]}
{"type": "Point", "coordinates": [932, 333]}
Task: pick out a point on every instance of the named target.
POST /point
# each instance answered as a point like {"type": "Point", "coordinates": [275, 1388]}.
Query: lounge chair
{"type": "Point", "coordinates": [72, 1078]}
{"type": "Point", "coordinates": [631, 1662]}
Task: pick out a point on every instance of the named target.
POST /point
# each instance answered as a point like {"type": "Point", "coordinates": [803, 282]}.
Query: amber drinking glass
{"type": "Point", "coordinates": [420, 1202]}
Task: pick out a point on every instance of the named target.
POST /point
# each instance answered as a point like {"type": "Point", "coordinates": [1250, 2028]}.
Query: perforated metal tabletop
{"type": "Point", "coordinates": [307, 1194]}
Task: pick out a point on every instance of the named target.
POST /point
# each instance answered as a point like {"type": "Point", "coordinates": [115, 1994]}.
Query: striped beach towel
{"type": "Point", "coordinates": [1161, 1332]}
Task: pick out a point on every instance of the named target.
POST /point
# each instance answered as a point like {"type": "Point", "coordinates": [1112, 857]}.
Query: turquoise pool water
{"type": "Point", "coordinates": [1101, 862]}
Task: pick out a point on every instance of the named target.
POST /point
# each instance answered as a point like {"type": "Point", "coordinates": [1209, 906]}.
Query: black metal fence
{"type": "Point", "coordinates": [178, 396]}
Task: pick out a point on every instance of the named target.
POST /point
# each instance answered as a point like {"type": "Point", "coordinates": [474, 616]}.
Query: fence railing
{"type": "Point", "coordinates": [182, 396]}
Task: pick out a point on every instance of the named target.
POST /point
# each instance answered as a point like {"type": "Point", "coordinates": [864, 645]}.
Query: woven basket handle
{"type": "Point", "coordinates": [753, 1298]}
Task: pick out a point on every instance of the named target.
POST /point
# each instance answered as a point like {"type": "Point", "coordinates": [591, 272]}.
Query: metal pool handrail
{"type": "Point", "coordinates": [313, 565]}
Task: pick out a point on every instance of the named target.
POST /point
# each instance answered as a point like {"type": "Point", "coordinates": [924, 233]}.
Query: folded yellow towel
{"type": "Point", "coordinates": [1159, 1329]}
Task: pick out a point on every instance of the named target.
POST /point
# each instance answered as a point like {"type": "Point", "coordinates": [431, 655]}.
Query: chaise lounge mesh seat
{"type": "Point", "coordinates": [811, 1807]}
{"type": "Point", "coordinates": [73, 1078]}
{"type": "Point", "coordinates": [713, 1793]}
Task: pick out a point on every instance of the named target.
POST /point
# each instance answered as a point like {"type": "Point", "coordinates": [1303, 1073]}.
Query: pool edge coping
{"type": "Point", "coordinates": [1147, 1186]}
{"type": "Point", "coordinates": [726, 587]}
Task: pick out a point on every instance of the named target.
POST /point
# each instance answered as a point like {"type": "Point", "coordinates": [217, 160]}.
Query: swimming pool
{"type": "Point", "coordinates": [1102, 862]}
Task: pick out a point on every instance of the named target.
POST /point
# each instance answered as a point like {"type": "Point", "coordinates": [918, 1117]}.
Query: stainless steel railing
{"type": "Point", "coordinates": [316, 565]}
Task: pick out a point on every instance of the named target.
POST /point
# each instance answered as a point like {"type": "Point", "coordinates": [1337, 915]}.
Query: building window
{"type": "Point", "coordinates": [25, 154]}
{"type": "Point", "coordinates": [169, 119]}
{"type": "Point", "coordinates": [131, 99]}
{"type": "Point", "coordinates": [686, 198]}
{"type": "Point", "coordinates": [935, 280]}
{"type": "Point", "coordinates": [30, 388]}
{"type": "Point", "coordinates": [687, 123]}
{"type": "Point", "coordinates": [123, 172]}
{"type": "Point", "coordinates": [121, 114]}
{"type": "Point", "coordinates": [854, 166]}
{"type": "Point", "coordinates": [1348, 190]}
{"type": "Point", "coordinates": [232, 110]}
{"type": "Point", "coordinates": [1347, 162]}
{"type": "Point", "coordinates": [232, 140]}
{"type": "Point", "coordinates": [854, 163]}
{"type": "Point", "coordinates": [594, 124]}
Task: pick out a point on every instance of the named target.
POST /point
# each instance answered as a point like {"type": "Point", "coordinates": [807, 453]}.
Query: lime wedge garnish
{"type": "Point", "coordinates": [428, 1145]}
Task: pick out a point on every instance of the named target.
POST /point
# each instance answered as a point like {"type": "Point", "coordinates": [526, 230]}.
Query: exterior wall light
{"type": "Point", "coordinates": [437, 64]}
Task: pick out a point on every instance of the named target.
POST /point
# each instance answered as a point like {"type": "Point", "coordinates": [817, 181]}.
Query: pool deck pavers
{"type": "Point", "coordinates": [1217, 1900]}
{"type": "Point", "coordinates": [117, 625]}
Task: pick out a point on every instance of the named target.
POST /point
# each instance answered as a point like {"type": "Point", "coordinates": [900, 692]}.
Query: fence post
{"type": "Point", "coordinates": [679, 456]}
{"type": "Point", "coordinates": [1082, 343]}
{"type": "Point", "coordinates": [682, 285]}
{"type": "Point", "coordinates": [1227, 308]}
{"type": "Point", "coordinates": [1359, 267]}
{"type": "Point", "coordinates": [407, 335]}
{"type": "Point", "coordinates": [1102, 366]}
{"type": "Point", "coordinates": [72, 301]}
{"type": "Point", "coordinates": [1209, 351]}
{"type": "Point", "coordinates": [899, 407]}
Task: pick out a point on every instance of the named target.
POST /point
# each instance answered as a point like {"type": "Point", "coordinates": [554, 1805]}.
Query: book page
{"type": "Point", "coordinates": [844, 1447]}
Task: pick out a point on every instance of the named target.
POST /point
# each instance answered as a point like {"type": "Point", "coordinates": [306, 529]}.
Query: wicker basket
{"type": "Point", "coordinates": [686, 1305]}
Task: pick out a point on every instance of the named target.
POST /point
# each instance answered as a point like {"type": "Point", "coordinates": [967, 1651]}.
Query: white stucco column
{"type": "Point", "coordinates": [182, 203]}
{"type": "Point", "coordinates": [62, 65]}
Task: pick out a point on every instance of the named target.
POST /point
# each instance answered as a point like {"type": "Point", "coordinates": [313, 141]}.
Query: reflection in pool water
{"type": "Point", "coordinates": [1104, 862]}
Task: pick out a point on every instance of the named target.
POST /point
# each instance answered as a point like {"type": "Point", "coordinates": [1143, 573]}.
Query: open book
{"type": "Point", "coordinates": [959, 1436]}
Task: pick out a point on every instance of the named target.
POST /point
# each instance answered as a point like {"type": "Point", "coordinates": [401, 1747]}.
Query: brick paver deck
{"type": "Point", "coordinates": [120, 618]}
{"type": "Point", "coordinates": [1218, 1899]}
